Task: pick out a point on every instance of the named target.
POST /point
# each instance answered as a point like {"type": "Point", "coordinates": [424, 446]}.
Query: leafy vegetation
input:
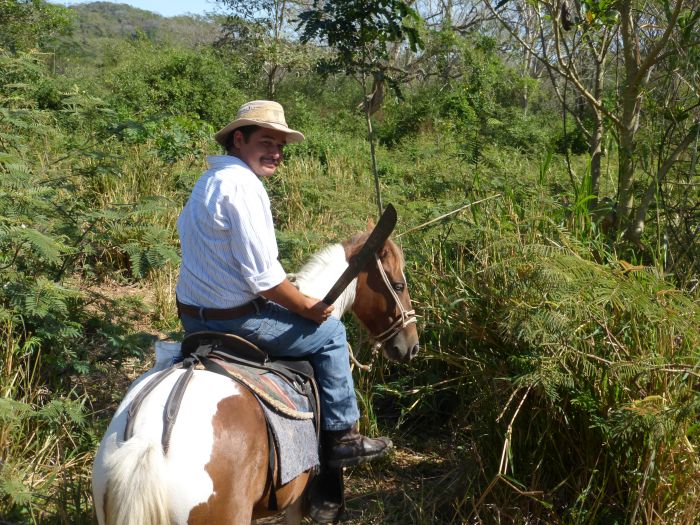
{"type": "Point", "coordinates": [558, 376]}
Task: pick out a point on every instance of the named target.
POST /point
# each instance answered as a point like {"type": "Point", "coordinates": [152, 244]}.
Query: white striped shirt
{"type": "Point", "coordinates": [229, 249]}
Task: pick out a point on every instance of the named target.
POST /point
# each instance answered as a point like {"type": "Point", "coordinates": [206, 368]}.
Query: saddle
{"type": "Point", "coordinates": [246, 364]}
{"type": "Point", "coordinates": [281, 386]}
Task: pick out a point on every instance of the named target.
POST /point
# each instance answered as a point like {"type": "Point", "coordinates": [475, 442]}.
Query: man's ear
{"type": "Point", "coordinates": [238, 138]}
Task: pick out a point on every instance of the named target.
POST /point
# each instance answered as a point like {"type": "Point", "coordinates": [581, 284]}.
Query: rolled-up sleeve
{"type": "Point", "coordinates": [268, 279]}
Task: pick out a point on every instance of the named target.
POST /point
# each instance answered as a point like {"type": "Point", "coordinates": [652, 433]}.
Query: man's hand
{"type": "Point", "coordinates": [287, 295]}
{"type": "Point", "coordinates": [319, 312]}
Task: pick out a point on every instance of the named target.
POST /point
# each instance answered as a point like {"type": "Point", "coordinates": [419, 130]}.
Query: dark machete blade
{"type": "Point", "coordinates": [379, 235]}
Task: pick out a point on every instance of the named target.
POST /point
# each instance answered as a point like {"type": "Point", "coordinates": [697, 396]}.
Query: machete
{"type": "Point", "coordinates": [376, 239]}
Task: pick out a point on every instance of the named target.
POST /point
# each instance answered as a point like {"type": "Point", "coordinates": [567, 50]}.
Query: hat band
{"type": "Point", "coordinates": [262, 114]}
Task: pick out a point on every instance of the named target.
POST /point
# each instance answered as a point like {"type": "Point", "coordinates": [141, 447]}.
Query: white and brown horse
{"type": "Point", "coordinates": [216, 468]}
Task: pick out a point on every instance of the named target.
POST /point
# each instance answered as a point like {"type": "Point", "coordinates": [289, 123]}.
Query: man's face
{"type": "Point", "coordinates": [263, 151]}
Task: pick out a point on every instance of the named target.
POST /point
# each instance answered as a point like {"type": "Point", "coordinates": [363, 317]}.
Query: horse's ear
{"type": "Point", "coordinates": [370, 224]}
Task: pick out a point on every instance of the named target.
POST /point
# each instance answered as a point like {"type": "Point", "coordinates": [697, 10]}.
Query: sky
{"type": "Point", "coordinates": [162, 7]}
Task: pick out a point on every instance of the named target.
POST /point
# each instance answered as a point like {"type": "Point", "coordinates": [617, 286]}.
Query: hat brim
{"type": "Point", "coordinates": [292, 136]}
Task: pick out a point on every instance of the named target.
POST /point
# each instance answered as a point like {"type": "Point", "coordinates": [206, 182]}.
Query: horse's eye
{"type": "Point", "coordinates": [399, 287]}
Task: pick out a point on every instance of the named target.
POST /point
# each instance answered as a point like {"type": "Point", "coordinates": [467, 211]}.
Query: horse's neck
{"type": "Point", "coordinates": [318, 275]}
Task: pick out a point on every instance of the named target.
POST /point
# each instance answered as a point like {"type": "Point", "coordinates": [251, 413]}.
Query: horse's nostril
{"type": "Point", "coordinates": [414, 350]}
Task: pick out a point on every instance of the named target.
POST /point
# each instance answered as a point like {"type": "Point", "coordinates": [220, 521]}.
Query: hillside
{"type": "Point", "coordinates": [112, 20]}
{"type": "Point", "coordinates": [98, 27]}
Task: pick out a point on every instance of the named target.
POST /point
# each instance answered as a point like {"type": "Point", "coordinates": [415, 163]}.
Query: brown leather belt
{"type": "Point", "coordinates": [219, 314]}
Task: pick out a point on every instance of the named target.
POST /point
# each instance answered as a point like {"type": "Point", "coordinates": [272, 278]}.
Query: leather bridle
{"type": "Point", "coordinates": [407, 316]}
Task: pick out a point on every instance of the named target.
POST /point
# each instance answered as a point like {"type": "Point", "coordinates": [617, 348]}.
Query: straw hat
{"type": "Point", "coordinates": [263, 113]}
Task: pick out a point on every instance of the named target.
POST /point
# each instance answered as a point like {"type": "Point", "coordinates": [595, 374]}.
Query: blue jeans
{"type": "Point", "coordinates": [282, 333]}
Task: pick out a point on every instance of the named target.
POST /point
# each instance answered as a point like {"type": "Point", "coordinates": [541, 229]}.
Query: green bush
{"type": "Point", "coordinates": [28, 24]}
{"type": "Point", "coordinates": [513, 128]}
{"type": "Point", "coordinates": [152, 81]}
{"type": "Point", "coordinates": [406, 118]}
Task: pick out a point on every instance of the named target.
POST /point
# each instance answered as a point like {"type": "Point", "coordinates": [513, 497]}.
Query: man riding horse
{"type": "Point", "coordinates": [231, 281]}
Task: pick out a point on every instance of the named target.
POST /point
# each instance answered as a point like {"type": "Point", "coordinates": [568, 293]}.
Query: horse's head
{"type": "Point", "coordinates": [382, 302]}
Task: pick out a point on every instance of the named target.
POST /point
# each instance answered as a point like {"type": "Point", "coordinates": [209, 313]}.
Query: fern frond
{"type": "Point", "coordinates": [47, 247]}
{"type": "Point", "coordinates": [45, 298]}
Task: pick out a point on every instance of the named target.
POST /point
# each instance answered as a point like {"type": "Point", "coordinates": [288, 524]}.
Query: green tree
{"type": "Point", "coordinates": [28, 24]}
{"type": "Point", "coordinates": [259, 31]}
{"type": "Point", "coordinates": [360, 33]}
{"type": "Point", "coordinates": [614, 55]}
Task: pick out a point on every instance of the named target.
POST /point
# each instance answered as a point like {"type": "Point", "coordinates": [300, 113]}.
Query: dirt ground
{"type": "Point", "coordinates": [395, 491]}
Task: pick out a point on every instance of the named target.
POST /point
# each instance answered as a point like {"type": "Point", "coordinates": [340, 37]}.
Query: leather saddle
{"type": "Point", "coordinates": [235, 349]}
{"type": "Point", "coordinates": [228, 355]}
{"type": "Point", "coordinates": [238, 359]}
{"type": "Point", "coordinates": [246, 364]}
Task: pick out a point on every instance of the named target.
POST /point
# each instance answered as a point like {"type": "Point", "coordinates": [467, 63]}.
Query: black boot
{"type": "Point", "coordinates": [327, 496]}
{"type": "Point", "coordinates": [345, 448]}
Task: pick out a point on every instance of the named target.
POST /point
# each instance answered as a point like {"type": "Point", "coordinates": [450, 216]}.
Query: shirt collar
{"type": "Point", "coordinates": [225, 161]}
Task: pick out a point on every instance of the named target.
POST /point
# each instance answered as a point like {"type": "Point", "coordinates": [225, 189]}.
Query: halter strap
{"type": "Point", "coordinates": [407, 316]}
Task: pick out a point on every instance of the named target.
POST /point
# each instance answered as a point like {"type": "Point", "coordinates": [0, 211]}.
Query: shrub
{"type": "Point", "coordinates": [152, 81]}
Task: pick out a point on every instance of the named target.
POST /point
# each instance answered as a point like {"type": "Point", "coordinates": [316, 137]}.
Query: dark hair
{"type": "Point", "coordinates": [247, 132]}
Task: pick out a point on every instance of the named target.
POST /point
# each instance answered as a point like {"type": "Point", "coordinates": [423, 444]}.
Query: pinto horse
{"type": "Point", "coordinates": [215, 470]}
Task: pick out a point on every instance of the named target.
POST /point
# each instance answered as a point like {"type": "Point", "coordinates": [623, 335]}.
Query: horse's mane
{"type": "Point", "coordinates": [321, 271]}
{"type": "Point", "coordinates": [319, 262]}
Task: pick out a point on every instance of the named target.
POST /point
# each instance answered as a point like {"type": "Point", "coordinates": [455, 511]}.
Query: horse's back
{"type": "Point", "coordinates": [214, 469]}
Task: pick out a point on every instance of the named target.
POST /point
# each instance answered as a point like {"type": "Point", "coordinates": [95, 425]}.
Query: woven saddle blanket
{"type": "Point", "coordinates": [279, 394]}
{"type": "Point", "coordinates": [290, 415]}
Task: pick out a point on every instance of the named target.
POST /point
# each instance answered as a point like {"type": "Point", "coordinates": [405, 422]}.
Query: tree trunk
{"type": "Point", "coordinates": [366, 106]}
{"type": "Point", "coordinates": [596, 152]}
{"type": "Point", "coordinates": [636, 228]}
{"type": "Point", "coordinates": [370, 137]}
{"type": "Point", "coordinates": [595, 142]}
{"type": "Point", "coordinates": [625, 194]}
{"type": "Point", "coordinates": [629, 120]}
{"type": "Point", "coordinates": [271, 82]}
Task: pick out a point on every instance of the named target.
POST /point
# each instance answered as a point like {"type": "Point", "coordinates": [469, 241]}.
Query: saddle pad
{"type": "Point", "coordinates": [272, 390]}
{"type": "Point", "coordinates": [297, 449]}
{"type": "Point", "coordinates": [290, 416]}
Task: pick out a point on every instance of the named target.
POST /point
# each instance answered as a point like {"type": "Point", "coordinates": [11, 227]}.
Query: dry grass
{"type": "Point", "coordinates": [396, 491]}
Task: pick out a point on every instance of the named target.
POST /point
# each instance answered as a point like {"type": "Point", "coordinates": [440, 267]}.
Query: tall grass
{"type": "Point", "coordinates": [45, 441]}
{"type": "Point", "coordinates": [572, 381]}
